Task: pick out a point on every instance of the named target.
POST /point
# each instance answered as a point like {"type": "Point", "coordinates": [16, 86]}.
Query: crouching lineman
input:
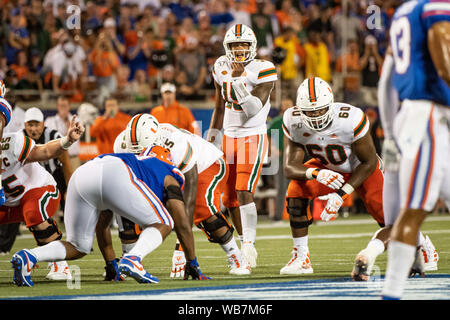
{"type": "Point", "coordinates": [206, 173]}
{"type": "Point", "coordinates": [31, 192]}
{"type": "Point", "coordinates": [336, 136]}
{"type": "Point", "coordinates": [145, 189]}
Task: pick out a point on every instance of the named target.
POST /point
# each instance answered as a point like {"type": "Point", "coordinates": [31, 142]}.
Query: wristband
{"type": "Point", "coordinates": [311, 173]}
{"type": "Point", "coordinates": [65, 143]}
{"type": "Point", "coordinates": [345, 191]}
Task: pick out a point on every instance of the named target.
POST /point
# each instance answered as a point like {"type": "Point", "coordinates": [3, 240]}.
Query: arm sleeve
{"type": "Point", "coordinates": [387, 97]}
{"type": "Point", "coordinates": [434, 12]}
{"type": "Point", "coordinates": [286, 125]}
{"type": "Point", "coordinates": [22, 146]}
{"type": "Point", "coordinates": [360, 124]}
{"type": "Point", "coordinates": [267, 73]}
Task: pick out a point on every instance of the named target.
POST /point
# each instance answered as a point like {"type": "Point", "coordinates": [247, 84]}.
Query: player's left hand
{"type": "Point", "coordinates": [75, 131]}
{"type": "Point", "coordinates": [334, 202]}
{"type": "Point", "coordinates": [193, 270]}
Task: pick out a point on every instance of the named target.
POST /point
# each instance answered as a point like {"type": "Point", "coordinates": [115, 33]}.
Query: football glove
{"type": "Point", "coordinates": [178, 264]}
{"type": "Point", "coordinates": [330, 178]}
{"type": "Point", "coordinates": [112, 271]}
{"type": "Point", "coordinates": [391, 155]}
{"type": "Point", "coordinates": [334, 202]}
{"type": "Point", "coordinates": [193, 270]}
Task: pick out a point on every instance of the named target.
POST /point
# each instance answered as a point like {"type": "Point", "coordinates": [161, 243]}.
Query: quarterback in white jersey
{"type": "Point", "coordinates": [204, 168]}
{"type": "Point", "coordinates": [336, 136]}
{"type": "Point", "coordinates": [243, 86]}
{"type": "Point", "coordinates": [31, 192]}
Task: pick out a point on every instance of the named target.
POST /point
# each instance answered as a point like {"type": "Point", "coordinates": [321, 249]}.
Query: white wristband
{"type": "Point", "coordinates": [65, 143]}
{"type": "Point", "coordinates": [309, 172]}
{"type": "Point", "coordinates": [347, 188]}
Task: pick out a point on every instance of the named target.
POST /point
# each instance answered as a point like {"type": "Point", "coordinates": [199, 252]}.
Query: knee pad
{"type": "Point", "coordinates": [299, 208]}
{"type": "Point", "coordinates": [131, 231]}
{"type": "Point", "coordinates": [210, 228]}
{"type": "Point", "coordinates": [41, 235]}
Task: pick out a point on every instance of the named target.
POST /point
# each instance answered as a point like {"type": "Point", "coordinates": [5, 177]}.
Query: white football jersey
{"type": "Point", "coordinates": [18, 177]}
{"type": "Point", "coordinates": [332, 146]}
{"type": "Point", "coordinates": [187, 149]}
{"type": "Point", "coordinates": [235, 122]}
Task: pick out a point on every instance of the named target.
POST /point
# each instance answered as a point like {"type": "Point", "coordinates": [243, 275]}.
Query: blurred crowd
{"type": "Point", "coordinates": [128, 48]}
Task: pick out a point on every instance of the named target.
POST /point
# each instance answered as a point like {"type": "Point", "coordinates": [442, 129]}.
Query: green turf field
{"type": "Point", "coordinates": [332, 245]}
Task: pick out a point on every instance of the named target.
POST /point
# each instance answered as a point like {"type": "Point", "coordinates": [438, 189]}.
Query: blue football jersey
{"type": "Point", "coordinates": [415, 76]}
{"type": "Point", "coordinates": [150, 170]}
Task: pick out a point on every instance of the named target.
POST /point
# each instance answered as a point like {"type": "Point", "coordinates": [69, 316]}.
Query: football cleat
{"type": "Point", "coordinates": [23, 262]}
{"type": "Point", "coordinates": [300, 263]}
{"type": "Point", "coordinates": [238, 265]}
{"type": "Point", "coordinates": [430, 255]}
{"type": "Point", "coordinates": [362, 267]}
{"type": "Point", "coordinates": [132, 266]}
{"type": "Point", "coordinates": [59, 271]}
{"type": "Point", "coordinates": [249, 253]}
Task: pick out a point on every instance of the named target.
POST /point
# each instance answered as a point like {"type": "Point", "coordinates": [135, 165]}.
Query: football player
{"type": "Point", "coordinates": [5, 118]}
{"type": "Point", "coordinates": [243, 87]}
{"type": "Point", "coordinates": [336, 136]}
{"type": "Point", "coordinates": [145, 189]}
{"type": "Point", "coordinates": [31, 192]}
{"type": "Point", "coordinates": [421, 76]}
{"type": "Point", "coordinates": [203, 163]}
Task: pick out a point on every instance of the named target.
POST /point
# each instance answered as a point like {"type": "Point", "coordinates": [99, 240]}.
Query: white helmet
{"type": "Point", "coordinates": [240, 33]}
{"type": "Point", "coordinates": [312, 95]}
{"type": "Point", "coordinates": [2, 89]}
{"type": "Point", "coordinates": [142, 132]}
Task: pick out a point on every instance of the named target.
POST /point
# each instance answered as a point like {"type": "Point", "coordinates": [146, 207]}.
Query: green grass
{"type": "Point", "coordinates": [332, 247]}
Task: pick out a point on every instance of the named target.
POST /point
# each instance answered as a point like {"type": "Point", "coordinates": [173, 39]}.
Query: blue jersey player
{"type": "Point", "coordinates": [421, 78]}
{"type": "Point", "coordinates": [146, 190]}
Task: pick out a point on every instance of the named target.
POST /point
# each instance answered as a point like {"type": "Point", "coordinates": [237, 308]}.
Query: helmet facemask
{"type": "Point", "coordinates": [317, 123]}
{"type": "Point", "coordinates": [240, 55]}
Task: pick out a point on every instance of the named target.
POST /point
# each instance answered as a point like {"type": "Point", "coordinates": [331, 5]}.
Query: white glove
{"type": "Point", "coordinates": [334, 202]}
{"type": "Point", "coordinates": [327, 177]}
{"type": "Point", "coordinates": [391, 155]}
{"type": "Point", "coordinates": [178, 264]}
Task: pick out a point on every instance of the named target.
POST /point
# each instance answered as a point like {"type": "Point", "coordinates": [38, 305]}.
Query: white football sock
{"type": "Point", "coordinates": [249, 219]}
{"type": "Point", "coordinates": [400, 260]}
{"type": "Point", "coordinates": [374, 248]}
{"type": "Point", "coordinates": [230, 247]}
{"type": "Point", "coordinates": [301, 243]}
{"type": "Point", "coordinates": [126, 247]}
{"type": "Point", "coordinates": [149, 239]}
{"type": "Point", "coordinates": [53, 251]}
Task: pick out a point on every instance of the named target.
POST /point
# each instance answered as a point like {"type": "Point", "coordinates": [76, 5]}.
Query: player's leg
{"type": "Point", "coordinates": [250, 156]}
{"type": "Point", "coordinates": [421, 176]}
{"type": "Point", "coordinates": [212, 221]}
{"type": "Point", "coordinates": [371, 192]}
{"type": "Point", "coordinates": [146, 210]}
{"type": "Point", "coordinates": [80, 212]}
{"type": "Point", "coordinates": [300, 218]}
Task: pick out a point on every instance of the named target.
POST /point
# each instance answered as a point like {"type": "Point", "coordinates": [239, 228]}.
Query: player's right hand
{"type": "Point", "coordinates": [391, 155]}
{"type": "Point", "coordinates": [330, 178]}
{"type": "Point", "coordinates": [193, 270]}
{"type": "Point", "coordinates": [178, 264]}
{"type": "Point", "coordinates": [2, 196]}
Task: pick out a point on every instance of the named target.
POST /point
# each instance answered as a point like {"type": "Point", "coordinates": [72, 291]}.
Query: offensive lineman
{"type": "Point", "coordinates": [420, 46]}
{"type": "Point", "coordinates": [344, 160]}
{"type": "Point", "coordinates": [243, 86]}
{"type": "Point", "coordinates": [189, 153]}
{"type": "Point", "coordinates": [31, 192]}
